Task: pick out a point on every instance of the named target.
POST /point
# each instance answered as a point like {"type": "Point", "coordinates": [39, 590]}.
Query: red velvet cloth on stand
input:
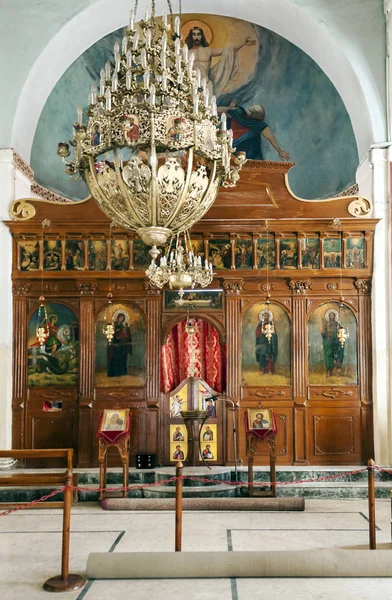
{"type": "Point", "coordinates": [261, 433]}
{"type": "Point", "coordinates": [114, 435]}
{"type": "Point", "coordinates": [209, 354]}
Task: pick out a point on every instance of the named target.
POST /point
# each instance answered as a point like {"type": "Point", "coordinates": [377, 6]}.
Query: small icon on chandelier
{"type": "Point", "coordinates": [96, 135]}
{"type": "Point", "coordinates": [175, 130]}
{"type": "Point", "coordinates": [131, 128]}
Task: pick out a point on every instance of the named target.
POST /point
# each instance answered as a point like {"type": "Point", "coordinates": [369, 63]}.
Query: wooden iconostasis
{"type": "Point", "coordinates": [316, 271]}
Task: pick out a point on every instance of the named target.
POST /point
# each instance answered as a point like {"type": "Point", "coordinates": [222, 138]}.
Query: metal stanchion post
{"type": "Point", "coordinates": [66, 581]}
{"type": "Point", "coordinates": [179, 469]}
{"type": "Point", "coordinates": [372, 506]}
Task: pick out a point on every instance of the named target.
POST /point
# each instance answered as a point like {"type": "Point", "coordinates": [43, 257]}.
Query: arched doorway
{"type": "Point", "coordinates": [193, 369]}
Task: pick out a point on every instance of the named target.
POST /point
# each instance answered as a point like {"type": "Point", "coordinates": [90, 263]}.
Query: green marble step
{"type": "Point", "coordinates": [344, 474]}
{"type": "Point", "coordinates": [308, 490]}
{"type": "Point", "coordinates": [334, 490]}
{"type": "Point", "coordinates": [209, 476]}
{"type": "Point", "coordinates": [87, 494]}
{"type": "Point", "coordinates": [140, 476]}
{"type": "Point", "coordinates": [349, 486]}
{"type": "Point", "coordinates": [318, 490]}
{"type": "Point", "coordinates": [208, 491]}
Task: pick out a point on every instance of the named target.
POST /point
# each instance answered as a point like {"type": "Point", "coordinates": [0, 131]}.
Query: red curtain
{"type": "Point", "coordinates": [210, 356]}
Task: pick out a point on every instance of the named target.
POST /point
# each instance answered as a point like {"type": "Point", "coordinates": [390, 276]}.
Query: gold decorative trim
{"type": "Point", "coordinates": [360, 207]}
{"type": "Point", "coordinates": [49, 195]}
{"type": "Point", "coordinates": [353, 190]}
{"type": "Point", "coordinates": [22, 166]}
{"type": "Point", "coordinates": [269, 165]}
{"type": "Point", "coordinates": [22, 210]}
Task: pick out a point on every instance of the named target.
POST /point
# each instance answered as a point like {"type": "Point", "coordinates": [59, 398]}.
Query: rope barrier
{"type": "Point", "coordinates": [12, 510]}
{"type": "Point", "coordinates": [193, 478]}
{"type": "Point", "coordinates": [67, 581]}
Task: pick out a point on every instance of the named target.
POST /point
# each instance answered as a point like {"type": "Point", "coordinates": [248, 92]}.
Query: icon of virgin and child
{"type": "Point", "coordinates": [248, 124]}
{"type": "Point", "coordinates": [120, 347]}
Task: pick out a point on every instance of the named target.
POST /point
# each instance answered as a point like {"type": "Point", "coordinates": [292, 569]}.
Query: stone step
{"type": "Point", "coordinates": [208, 476]}
{"type": "Point", "coordinates": [324, 490]}
{"type": "Point", "coordinates": [307, 490]}
{"type": "Point", "coordinates": [349, 486]}
{"type": "Point", "coordinates": [114, 476]}
{"type": "Point", "coordinates": [283, 473]}
{"type": "Point", "coordinates": [288, 474]}
{"type": "Point", "coordinates": [208, 491]}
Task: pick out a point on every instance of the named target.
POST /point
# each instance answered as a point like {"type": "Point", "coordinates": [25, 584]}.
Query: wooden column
{"type": "Point", "coordinates": [232, 244]}
{"type": "Point", "coordinates": [233, 345]}
{"type": "Point", "coordinates": [254, 243]}
{"type": "Point", "coordinates": [151, 442]}
{"type": "Point", "coordinates": [153, 347]}
{"type": "Point", "coordinates": [364, 364]}
{"type": "Point", "coordinates": [233, 360]}
{"type": "Point", "coordinates": [86, 385]}
{"type": "Point", "coordinates": [19, 365]}
{"type": "Point", "coordinates": [299, 383]}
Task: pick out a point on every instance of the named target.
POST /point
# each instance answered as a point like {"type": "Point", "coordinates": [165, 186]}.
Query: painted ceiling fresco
{"type": "Point", "coordinates": [279, 103]}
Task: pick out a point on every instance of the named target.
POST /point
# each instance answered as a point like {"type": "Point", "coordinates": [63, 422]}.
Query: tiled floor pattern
{"type": "Point", "coordinates": [30, 547]}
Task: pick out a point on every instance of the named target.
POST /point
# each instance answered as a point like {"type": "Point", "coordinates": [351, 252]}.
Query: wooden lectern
{"type": "Point", "coordinates": [258, 429]}
{"type": "Point", "coordinates": [114, 431]}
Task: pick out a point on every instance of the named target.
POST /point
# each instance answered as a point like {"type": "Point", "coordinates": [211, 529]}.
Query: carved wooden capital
{"type": "Point", "coordinates": [20, 289]}
{"type": "Point", "coordinates": [299, 286]}
{"type": "Point", "coordinates": [151, 290]}
{"type": "Point", "coordinates": [86, 288]}
{"type": "Point", "coordinates": [233, 286]}
{"type": "Point", "coordinates": [363, 286]}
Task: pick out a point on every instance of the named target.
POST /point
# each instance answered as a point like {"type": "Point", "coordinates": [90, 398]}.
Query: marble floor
{"type": "Point", "coordinates": [30, 547]}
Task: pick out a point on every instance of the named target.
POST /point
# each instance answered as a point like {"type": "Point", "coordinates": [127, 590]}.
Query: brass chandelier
{"type": "Point", "coordinates": [180, 267]}
{"type": "Point", "coordinates": [151, 101]}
